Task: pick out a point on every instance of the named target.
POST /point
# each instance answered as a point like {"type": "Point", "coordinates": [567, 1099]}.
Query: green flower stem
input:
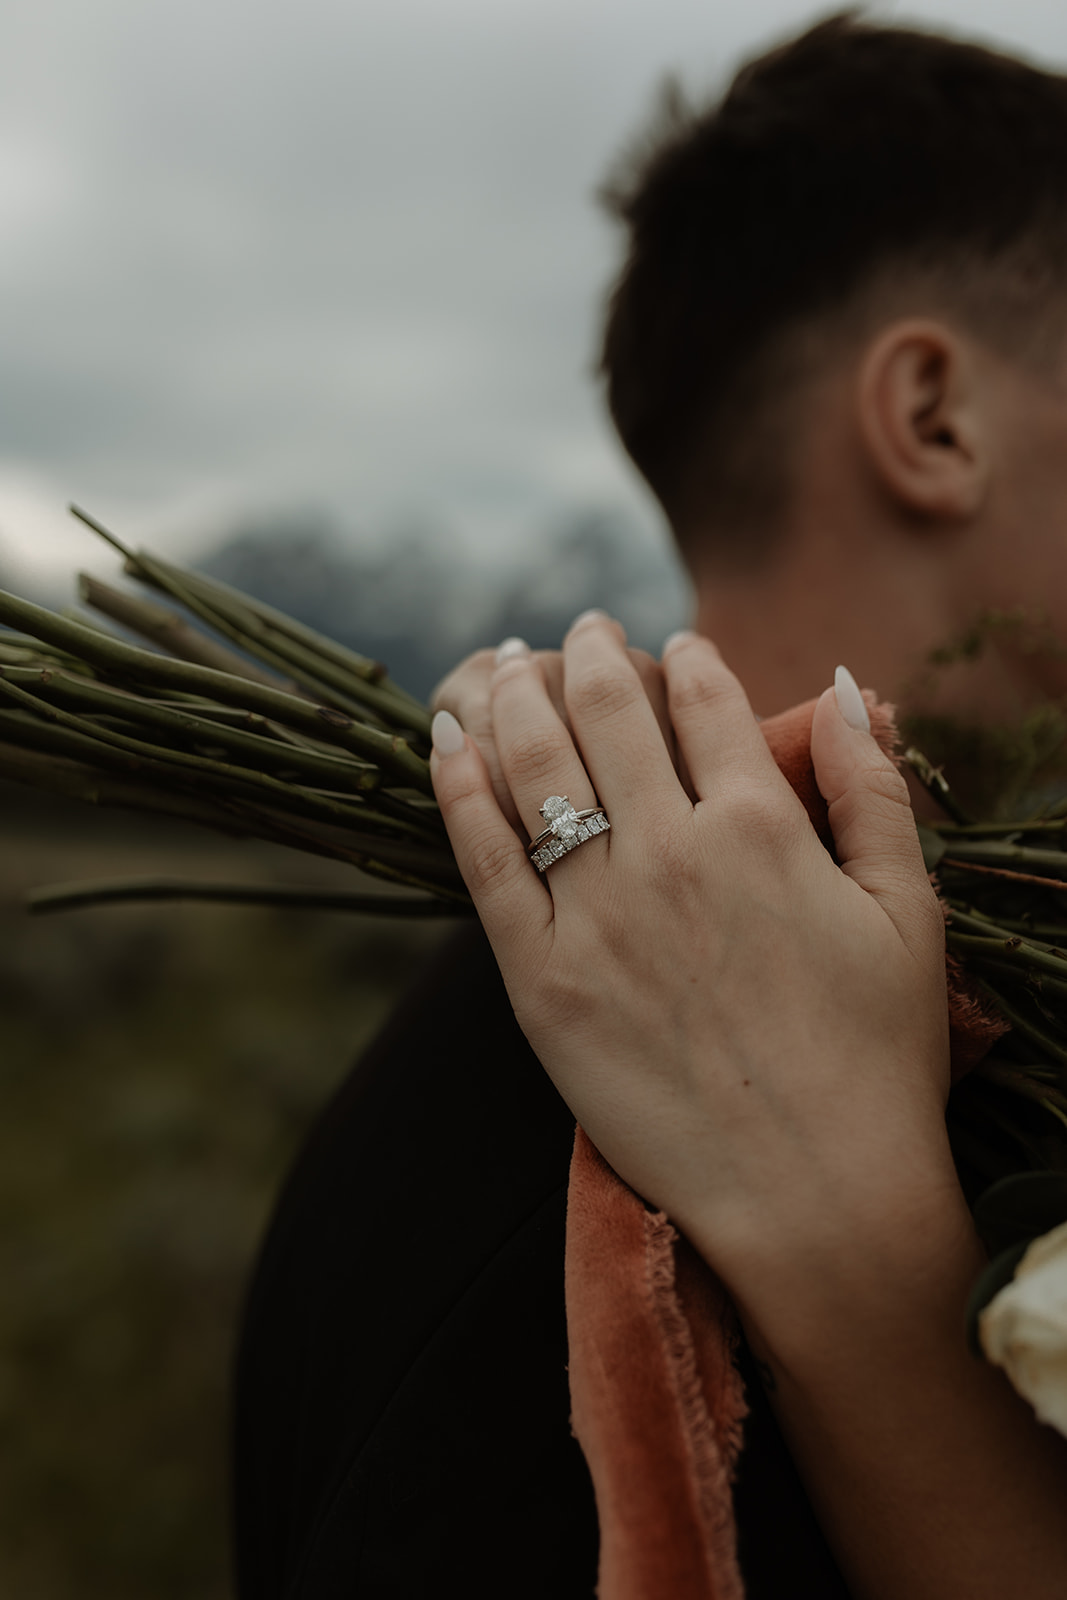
{"type": "Point", "coordinates": [435, 873]}
{"type": "Point", "coordinates": [355, 692]}
{"type": "Point", "coordinates": [43, 734]}
{"type": "Point", "coordinates": [169, 632]}
{"type": "Point", "coordinates": [977, 922]}
{"type": "Point", "coordinates": [225, 810]}
{"type": "Point", "coordinates": [89, 698]}
{"type": "Point", "coordinates": [360, 844]}
{"type": "Point", "coordinates": [1045, 935]}
{"type": "Point", "coordinates": [1007, 1078]}
{"type": "Point", "coordinates": [20, 650]}
{"type": "Point", "coordinates": [359, 666]}
{"type": "Point", "coordinates": [933, 781]}
{"type": "Point", "coordinates": [1046, 938]}
{"type": "Point", "coordinates": [951, 831]}
{"type": "Point", "coordinates": [142, 667]}
{"type": "Point", "coordinates": [1040, 987]}
{"type": "Point", "coordinates": [52, 769]}
{"type": "Point", "coordinates": [242, 628]}
{"type": "Point", "coordinates": [71, 765]}
{"type": "Point", "coordinates": [64, 897]}
{"type": "Point", "coordinates": [996, 853]}
{"type": "Point", "coordinates": [385, 815]}
{"type": "Point", "coordinates": [215, 592]}
{"type": "Point", "coordinates": [329, 810]}
{"type": "Point", "coordinates": [1053, 1048]}
{"type": "Point", "coordinates": [1012, 951]}
{"type": "Point", "coordinates": [280, 641]}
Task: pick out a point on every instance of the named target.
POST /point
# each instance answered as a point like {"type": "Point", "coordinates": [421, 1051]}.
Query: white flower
{"type": "Point", "coordinates": [1024, 1328]}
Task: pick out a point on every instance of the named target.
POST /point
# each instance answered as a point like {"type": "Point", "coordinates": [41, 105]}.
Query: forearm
{"type": "Point", "coordinates": [931, 1478]}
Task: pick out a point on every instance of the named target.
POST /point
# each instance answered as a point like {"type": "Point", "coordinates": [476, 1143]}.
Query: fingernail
{"type": "Point", "coordinates": [593, 614]}
{"type": "Point", "coordinates": [447, 735]}
{"type": "Point", "coordinates": [511, 650]}
{"type": "Point", "coordinates": [850, 701]}
{"type": "Point", "coordinates": [682, 636]}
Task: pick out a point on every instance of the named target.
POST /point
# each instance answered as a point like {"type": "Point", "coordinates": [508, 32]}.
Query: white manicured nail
{"type": "Point", "coordinates": [511, 650]}
{"type": "Point", "coordinates": [682, 636]}
{"type": "Point", "coordinates": [850, 701]}
{"type": "Point", "coordinates": [447, 735]}
{"type": "Point", "coordinates": [594, 614]}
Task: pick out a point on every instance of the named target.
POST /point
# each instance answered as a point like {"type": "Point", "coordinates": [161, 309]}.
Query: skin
{"type": "Point", "coordinates": [641, 983]}
{"type": "Point", "coordinates": [933, 484]}
{"type": "Point", "coordinates": [930, 486]}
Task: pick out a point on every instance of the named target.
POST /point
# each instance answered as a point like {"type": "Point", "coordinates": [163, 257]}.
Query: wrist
{"type": "Point", "coordinates": [863, 1268]}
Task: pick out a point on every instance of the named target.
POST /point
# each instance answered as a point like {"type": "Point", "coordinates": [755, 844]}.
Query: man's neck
{"type": "Point", "coordinates": [783, 629]}
{"type": "Point", "coordinates": [881, 607]}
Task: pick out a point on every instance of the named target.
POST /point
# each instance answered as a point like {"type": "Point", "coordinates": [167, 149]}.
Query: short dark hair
{"type": "Point", "coordinates": [849, 154]}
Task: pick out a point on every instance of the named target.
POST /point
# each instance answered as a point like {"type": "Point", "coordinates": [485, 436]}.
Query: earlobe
{"type": "Point", "coordinates": [920, 422]}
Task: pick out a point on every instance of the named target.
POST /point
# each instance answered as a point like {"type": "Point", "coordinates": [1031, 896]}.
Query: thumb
{"type": "Point", "coordinates": [869, 808]}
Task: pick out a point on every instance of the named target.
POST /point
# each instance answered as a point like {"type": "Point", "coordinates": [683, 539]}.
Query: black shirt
{"type": "Point", "coordinates": [401, 1402]}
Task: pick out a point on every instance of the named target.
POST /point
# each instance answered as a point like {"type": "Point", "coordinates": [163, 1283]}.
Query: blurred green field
{"type": "Point", "coordinates": [157, 1068]}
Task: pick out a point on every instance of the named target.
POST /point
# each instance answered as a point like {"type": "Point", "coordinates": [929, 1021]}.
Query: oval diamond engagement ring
{"type": "Point", "coordinates": [566, 830]}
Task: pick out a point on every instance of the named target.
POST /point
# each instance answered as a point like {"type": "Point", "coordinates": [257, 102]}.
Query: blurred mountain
{"type": "Point", "coordinates": [419, 602]}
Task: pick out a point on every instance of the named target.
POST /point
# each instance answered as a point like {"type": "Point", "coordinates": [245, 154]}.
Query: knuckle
{"type": "Point", "coordinates": [692, 692]}
{"type": "Point", "coordinates": [759, 815]}
{"type": "Point", "coordinates": [490, 861]}
{"type": "Point", "coordinates": [666, 865]}
{"type": "Point", "coordinates": [886, 783]}
{"type": "Point", "coordinates": [532, 757]}
{"type": "Point", "coordinates": [459, 791]}
{"type": "Point", "coordinates": [600, 692]}
{"type": "Point", "coordinates": [644, 664]}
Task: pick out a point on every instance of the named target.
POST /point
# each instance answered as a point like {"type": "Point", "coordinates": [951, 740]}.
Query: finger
{"type": "Point", "coordinates": [465, 692]}
{"type": "Point", "coordinates": [717, 733]}
{"type": "Point", "coordinates": [615, 724]}
{"type": "Point", "coordinates": [650, 674]}
{"type": "Point", "coordinates": [654, 684]}
{"type": "Point", "coordinates": [537, 752]}
{"type": "Point", "coordinates": [870, 813]}
{"type": "Point", "coordinates": [510, 901]}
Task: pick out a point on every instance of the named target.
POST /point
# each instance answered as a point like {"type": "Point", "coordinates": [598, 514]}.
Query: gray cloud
{"type": "Point", "coordinates": [336, 252]}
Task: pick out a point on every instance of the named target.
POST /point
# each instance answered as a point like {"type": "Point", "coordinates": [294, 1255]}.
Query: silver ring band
{"type": "Point", "coordinates": [567, 829]}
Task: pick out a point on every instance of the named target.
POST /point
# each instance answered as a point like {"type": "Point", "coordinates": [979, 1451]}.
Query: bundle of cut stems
{"type": "Point", "coordinates": [243, 720]}
{"type": "Point", "coordinates": [1004, 888]}
{"type": "Point", "coordinates": [279, 734]}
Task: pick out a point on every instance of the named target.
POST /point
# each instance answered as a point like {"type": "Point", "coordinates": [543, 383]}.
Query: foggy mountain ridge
{"type": "Point", "coordinates": [419, 605]}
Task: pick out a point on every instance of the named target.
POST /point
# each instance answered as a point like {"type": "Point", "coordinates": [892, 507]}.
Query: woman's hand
{"type": "Point", "coordinates": [753, 1036]}
{"type": "Point", "coordinates": [756, 1038]}
{"type": "Point", "coordinates": [465, 692]}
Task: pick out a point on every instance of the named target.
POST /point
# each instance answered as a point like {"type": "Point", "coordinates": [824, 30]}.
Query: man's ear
{"type": "Point", "coordinates": [920, 420]}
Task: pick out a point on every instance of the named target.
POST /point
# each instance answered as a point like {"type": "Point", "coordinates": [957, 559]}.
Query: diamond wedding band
{"type": "Point", "coordinates": [566, 830]}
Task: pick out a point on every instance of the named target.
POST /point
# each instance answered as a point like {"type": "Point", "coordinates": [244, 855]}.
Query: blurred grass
{"type": "Point", "coordinates": [157, 1069]}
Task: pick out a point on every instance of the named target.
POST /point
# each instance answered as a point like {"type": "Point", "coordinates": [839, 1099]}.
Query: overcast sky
{"type": "Point", "coordinates": [268, 254]}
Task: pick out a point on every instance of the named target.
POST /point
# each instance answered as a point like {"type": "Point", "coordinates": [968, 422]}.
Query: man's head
{"type": "Point", "coordinates": [853, 176]}
{"type": "Point", "coordinates": [838, 349]}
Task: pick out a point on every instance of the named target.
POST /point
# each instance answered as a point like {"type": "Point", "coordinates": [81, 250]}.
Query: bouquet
{"type": "Point", "coordinates": [239, 718]}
